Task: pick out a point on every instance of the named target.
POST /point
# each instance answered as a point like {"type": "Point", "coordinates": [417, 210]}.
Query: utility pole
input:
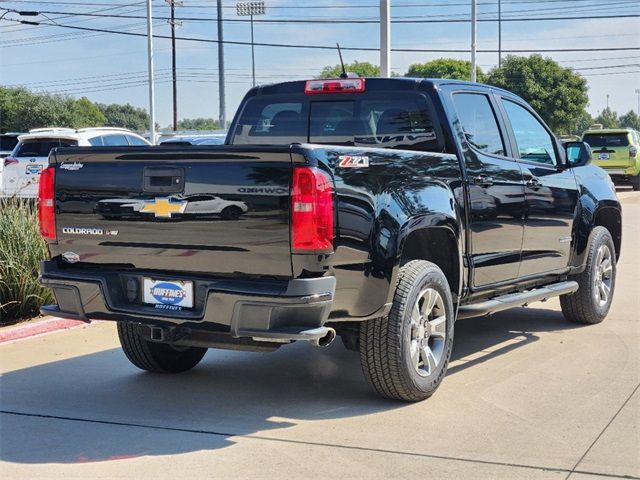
{"type": "Point", "coordinates": [173, 23]}
{"type": "Point", "coordinates": [474, 20]}
{"type": "Point", "coordinates": [223, 116]}
{"type": "Point", "coordinates": [152, 117]}
{"type": "Point", "coordinates": [244, 9]}
{"type": "Point", "coordinates": [638, 94]}
{"type": "Point", "coordinates": [499, 33]}
{"type": "Point", "coordinates": [385, 38]}
{"type": "Point", "coordinates": [607, 101]}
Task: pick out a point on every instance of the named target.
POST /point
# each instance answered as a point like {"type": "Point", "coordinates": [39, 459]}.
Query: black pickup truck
{"type": "Point", "coordinates": [377, 210]}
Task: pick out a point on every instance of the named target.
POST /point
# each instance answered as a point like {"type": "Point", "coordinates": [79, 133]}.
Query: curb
{"type": "Point", "coordinates": [41, 327]}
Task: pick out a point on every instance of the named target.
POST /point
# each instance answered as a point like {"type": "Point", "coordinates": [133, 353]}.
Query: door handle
{"type": "Point", "coordinates": [483, 180]}
{"type": "Point", "coordinates": [534, 183]}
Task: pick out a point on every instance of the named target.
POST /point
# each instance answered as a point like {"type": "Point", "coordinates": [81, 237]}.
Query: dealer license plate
{"type": "Point", "coordinates": [168, 294]}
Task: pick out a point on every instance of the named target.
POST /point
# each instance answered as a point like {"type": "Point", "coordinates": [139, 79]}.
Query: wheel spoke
{"type": "Point", "coordinates": [415, 353]}
{"type": "Point", "coordinates": [428, 359]}
{"type": "Point", "coordinates": [415, 314]}
{"type": "Point", "coordinates": [607, 267]}
{"type": "Point", "coordinates": [429, 301]}
{"type": "Point", "coordinates": [439, 326]}
{"type": "Point", "coordinates": [604, 291]}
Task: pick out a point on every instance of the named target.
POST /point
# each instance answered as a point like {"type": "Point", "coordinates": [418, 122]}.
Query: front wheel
{"type": "Point", "coordinates": [155, 356]}
{"type": "Point", "coordinates": [591, 303]}
{"type": "Point", "coordinates": [404, 356]}
{"type": "Point", "coordinates": [635, 183]}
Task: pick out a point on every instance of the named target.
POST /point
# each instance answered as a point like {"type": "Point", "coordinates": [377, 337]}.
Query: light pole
{"type": "Point", "coordinates": [607, 101]}
{"type": "Point", "coordinates": [499, 33]}
{"type": "Point", "coordinates": [249, 9]}
{"type": "Point", "coordinates": [385, 38]}
{"type": "Point", "coordinates": [474, 15]}
{"type": "Point", "coordinates": [223, 115]}
{"type": "Point", "coordinates": [152, 117]}
{"type": "Point", "coordinates": [638, 94]}
{"type": "Point", "coordinates": [173, 23]}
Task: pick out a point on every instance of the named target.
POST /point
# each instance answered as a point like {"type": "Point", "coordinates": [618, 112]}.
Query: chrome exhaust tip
{"type": "Point", "coordinates": [326, 340]}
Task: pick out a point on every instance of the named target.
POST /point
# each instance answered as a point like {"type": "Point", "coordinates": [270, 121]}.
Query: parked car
{"type": "Point", "coordinates": [616, 151]}
{"type": "Point", "coordinates": [8, 141]}
{"type": "Point", "coordinates": [20, 171]}
{"type": "Point", "coordinates": [210, 139]}
{"type": "Point", "coordinates": [378, 210]}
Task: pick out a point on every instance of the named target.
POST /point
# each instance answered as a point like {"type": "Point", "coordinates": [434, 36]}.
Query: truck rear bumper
{"type": "Point", "coordinates": [277, 310]}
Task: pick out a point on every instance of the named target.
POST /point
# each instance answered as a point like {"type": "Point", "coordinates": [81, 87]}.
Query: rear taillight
{"type": "Point", "coordinates": [343, 85]}
{"type": "Point", "coordinates": [311, 211]}
{"type": "Point", "coordinates": [633, 151]}
{"type": "Point", "coordinates": [10, 161]}
{"type": "Point", "coordinates": [46, 204]}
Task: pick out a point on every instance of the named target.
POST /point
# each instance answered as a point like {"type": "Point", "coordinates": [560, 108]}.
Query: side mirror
{"type": "Point", "coordinates": [578, 154]}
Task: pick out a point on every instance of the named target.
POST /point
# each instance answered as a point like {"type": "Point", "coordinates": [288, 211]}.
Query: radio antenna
{"type": "Point", "coordinates": [344, 72]}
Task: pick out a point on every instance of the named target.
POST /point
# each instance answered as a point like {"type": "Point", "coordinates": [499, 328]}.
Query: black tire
{"type": "Point", "coordinates": [635, 183]}
{"type": "Point", "coordinates": [583, 306]}
{"type": "Point", "coordinates": [231, 213]}
{"type": "Point", "coordinates": [155, 356]}
{"type": "Point", "coordinates": [386, 343]}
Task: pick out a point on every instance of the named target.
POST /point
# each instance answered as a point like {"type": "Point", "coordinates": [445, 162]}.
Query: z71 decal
{"type": "Point", "coordinates": [353, 161]}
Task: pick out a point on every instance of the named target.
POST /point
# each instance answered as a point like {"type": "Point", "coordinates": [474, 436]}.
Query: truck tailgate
{"type": "Point", "coordinates": [214, 210]}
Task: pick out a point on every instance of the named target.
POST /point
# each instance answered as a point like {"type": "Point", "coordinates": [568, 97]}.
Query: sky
{"type": "Point", "coordinates": [112, 68]}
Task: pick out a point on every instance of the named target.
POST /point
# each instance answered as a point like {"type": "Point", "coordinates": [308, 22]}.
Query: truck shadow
{"type": "Point", "coordinates": [98, 407]}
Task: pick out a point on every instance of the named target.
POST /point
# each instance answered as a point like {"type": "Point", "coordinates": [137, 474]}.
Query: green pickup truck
{"type": "Point", "coordinates": [616, 151]}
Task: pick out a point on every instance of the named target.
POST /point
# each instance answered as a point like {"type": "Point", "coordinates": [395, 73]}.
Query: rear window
{"type": "Point", "coordinates": [41, 147]}
{"type": "Point", "coordinates": [389, 121]}
{"type": "Point", "coordinates": [8, 142]}
{"type": "Point", "coordinates": [597, 140]}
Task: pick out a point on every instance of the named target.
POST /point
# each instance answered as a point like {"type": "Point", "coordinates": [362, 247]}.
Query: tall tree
{"type": "Point", "coordinates": [198, 124]}
{"type": "Point", "coordinates": [363, 69]}
{"type": "Point", "coordinates": [608, 118]}
{"type": "Point", "coordinates": [558, 94]}
{"type": "Point", "coordinates": [125, 116]}
{"type": "Point", "coordinates": [630, 120]}
{"type": "Point", "coordinates": [582, 123]}
{"type": "Point", "coordinates": [445, 68]}
{"type": "Point", "coordinates": [85, 113]}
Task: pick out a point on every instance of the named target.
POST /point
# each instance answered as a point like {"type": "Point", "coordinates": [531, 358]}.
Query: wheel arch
{"type": "Point", "coordinates": [439, 243]}
{"type": "Point", "coordinates": [611, 219]}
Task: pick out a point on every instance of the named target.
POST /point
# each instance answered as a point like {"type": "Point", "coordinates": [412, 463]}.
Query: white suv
{"type": "Point", "coordinates": [20, 171]}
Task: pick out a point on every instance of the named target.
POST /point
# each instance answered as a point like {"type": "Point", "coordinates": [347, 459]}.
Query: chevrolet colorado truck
{"type": "Point", "coordinates": [377, 210]}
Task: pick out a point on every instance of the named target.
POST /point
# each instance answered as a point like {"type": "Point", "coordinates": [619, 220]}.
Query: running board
{"type": "Point", "coordinates": [516, 299]}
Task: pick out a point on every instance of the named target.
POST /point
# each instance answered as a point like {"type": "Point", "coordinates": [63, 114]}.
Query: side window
{"type": "Point", "coordinates": [95, 141]}
{"type": "Point", "coordinates": [114, 140]}
{"type": "Point", "coordinates": [135, 141]}
{"type": "Point", "coordinates": [535, 144]}
{"type": "Point", "coordinates": [478, 122]}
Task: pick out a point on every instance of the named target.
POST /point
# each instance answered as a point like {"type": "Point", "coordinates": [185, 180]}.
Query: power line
{"type": "Point", "coordinates": [327, 47]}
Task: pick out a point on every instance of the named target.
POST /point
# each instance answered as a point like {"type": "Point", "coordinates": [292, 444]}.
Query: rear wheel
{"type": "Point", "coordinates": [591, 303]}
{"type": "Point", "coordinates": [405, 355]}
{"type": "Point", "coordinates": [635, 183]}
{"type": "Point", "coordinates": [156, 356]}
{"type": "Point", "coordinates": [231, 213]}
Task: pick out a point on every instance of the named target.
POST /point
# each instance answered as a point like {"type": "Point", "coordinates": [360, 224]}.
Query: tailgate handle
{"type": "Point", "coordinates": [163, 179]}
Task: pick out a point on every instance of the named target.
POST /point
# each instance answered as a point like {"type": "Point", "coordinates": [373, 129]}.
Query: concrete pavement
{"type": "Point", "coordinates": [527, 396]}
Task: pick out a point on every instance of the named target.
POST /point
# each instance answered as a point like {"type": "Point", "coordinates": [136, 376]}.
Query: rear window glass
{"type": "Point", "coordinates": [8, 143]}
{"type": "Point", "coordinates": [392, 121]}
{"type": "Point", "coordinates": [607, 139]}
{"type": "Point", "coordinates": [41, 147]}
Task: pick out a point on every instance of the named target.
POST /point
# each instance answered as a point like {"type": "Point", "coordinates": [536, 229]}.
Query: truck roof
{"type": "Point", "coordinates": [406, 83]}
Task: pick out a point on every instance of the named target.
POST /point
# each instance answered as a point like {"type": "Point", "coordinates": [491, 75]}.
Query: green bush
{"type": "Point", "coordinates": [21, 250]}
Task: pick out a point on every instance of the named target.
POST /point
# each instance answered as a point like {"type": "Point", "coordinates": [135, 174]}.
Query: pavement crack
{"type": "Point", "coordinates": [624, 404]}
{"type": "Point", "coordinates": [320, 444]}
